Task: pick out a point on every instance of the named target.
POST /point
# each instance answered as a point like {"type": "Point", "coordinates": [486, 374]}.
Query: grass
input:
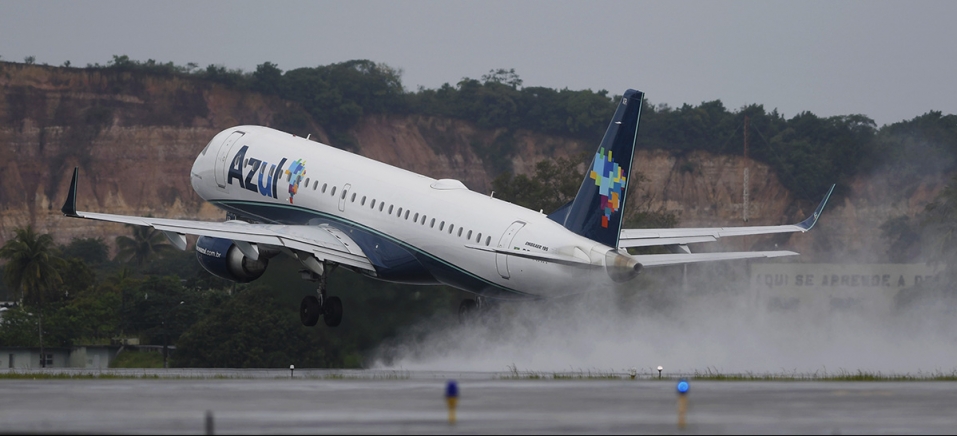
{"type": "Point", "coordinates": [713, 375]}
{"type": "Point", "coordinates": [138, 359]}
{"type": "Point", "coordinates": [185, 374]}
{"type": "Point", "coordinates": [512, 374]}
{"type": "Point", "coordinates": [840, 375]}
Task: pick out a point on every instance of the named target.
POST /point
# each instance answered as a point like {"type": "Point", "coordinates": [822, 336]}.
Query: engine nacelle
{"type": "Point", "coordinates": [620, 267]}
{"type": "Point", "coordinates": [222, 258]}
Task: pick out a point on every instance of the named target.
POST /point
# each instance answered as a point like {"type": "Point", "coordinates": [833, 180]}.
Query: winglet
{"type": "Point", "coordinates": [69, 207]}
{"type": "Point", "coordinates": [812, 220]}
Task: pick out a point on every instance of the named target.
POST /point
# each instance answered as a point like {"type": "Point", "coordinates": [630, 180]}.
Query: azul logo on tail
{"type": "Point", "coordinates": [260, 176]}
{"type": "Point", "coordinates": [610, 180]}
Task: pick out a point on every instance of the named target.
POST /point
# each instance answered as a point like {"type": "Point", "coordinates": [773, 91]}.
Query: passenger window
{"type": "Point", "coordinates": [460, 232]}
{"type": "Point", "coordinates": [478, 239]}
{"type": "Point", "coordinates": [333, 193]}
{"type": "Point", "coordinates": [315, 185]}
{"type": "Point", "coordinates": [289, 177]}
{"type": "Point", "coordinates": [488, 240]}
{"type": "Point", "coordinates": [307, 182]}
{"type": "Point", "coordinates": [363, 203]}
{"type": "Point", "coordinates": [432, 224]}
{"type": "Point", "coordinates": [373, 204]}
{"type": "Point", "coordinates": [451, 227]}
{"type": "Point", "coordinates": [324, 185]}
{"type": "Point", "coordinates": [271, 169]}
{"type": "Point", "coordinates": [262, 169]}
{"type": "Point", "coordinates": [353, 199]}
{"type": "Point", "coordinates": [399, 214]}
{"type": "Point", "coordinates": [416, 217]}
{"type": "Point", "coordinates": [344, 192]}
{"type": "Point", "coordinates": [381, 205]}
{"type": "Point", "coordinates": [406, 214]}
{"type": "Point", "coordinates": [423, 220]}
{"type": "Point", "coordinates": [390, 209]}
{"type": "Point", "coordinates": [469, 236]}
{"type": "Point", "coordinates": [441, 225]}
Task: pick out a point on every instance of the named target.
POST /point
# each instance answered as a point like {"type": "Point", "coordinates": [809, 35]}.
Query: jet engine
{"type": "Point", "coordinates": [621, 267]}
{"type": "Point", "coordinates": [224, 259]}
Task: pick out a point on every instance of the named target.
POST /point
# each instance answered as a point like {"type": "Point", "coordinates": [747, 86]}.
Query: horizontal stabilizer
{"type": "Point", "coordinates": [655, 237]}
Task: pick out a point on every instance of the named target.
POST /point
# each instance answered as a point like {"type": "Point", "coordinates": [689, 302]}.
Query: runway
{"type": "Point", "coordinates": [396, 402]}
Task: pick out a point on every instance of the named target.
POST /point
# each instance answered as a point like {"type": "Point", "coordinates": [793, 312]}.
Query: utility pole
{"type": "Point", "coordinates": [747, 172]}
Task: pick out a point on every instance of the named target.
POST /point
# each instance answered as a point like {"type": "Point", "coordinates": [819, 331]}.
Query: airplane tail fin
{"type": "Point", "coordinates": [596, 212]}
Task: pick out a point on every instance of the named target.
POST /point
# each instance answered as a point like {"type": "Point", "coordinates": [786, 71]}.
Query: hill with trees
{"type": "Point", "coordinates": [134, 127]}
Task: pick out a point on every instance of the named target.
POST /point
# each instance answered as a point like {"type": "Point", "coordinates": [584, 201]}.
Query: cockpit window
{"type": "Point", "coordinates": [207, 147]}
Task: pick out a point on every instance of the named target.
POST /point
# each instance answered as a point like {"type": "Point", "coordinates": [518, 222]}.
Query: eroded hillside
{"type": "Point", "coordinates": [134, 137]}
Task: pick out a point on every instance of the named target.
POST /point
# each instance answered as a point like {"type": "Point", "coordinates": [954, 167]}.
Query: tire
{"type": "Point", "coordinates": [467, 310]}
{"type": "Point", "coordinates": [309, 311]}
{"type": "Point", "coordinates": [332, 311]}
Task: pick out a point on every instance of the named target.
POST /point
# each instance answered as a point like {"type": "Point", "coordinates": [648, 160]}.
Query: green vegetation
{"type": "Point", "coordinates": [163, 297]}
{"type": "Point", "coordinates": [137, 359]}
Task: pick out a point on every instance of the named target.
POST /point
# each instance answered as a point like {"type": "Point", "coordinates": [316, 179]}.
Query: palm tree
{"type": "Point", "coordinates": [145, 243]}
{"type": "Point", "coordinates": [32, 266]}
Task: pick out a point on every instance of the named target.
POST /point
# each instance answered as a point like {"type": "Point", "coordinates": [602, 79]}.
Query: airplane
{"type": "Point", "coordinates": [329, 208]}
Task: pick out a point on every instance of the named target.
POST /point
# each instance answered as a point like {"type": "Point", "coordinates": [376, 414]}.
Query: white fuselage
{"type": "Point", "coordinates": [438, 218]}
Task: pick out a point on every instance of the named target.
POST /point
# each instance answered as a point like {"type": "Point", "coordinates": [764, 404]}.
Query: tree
{"type": "Point", "coordinates": [253, 330]}
{"type": "Point", "coordinates": [93, 251]}
{"type": "Point", "coordinates": [267, 78]}
{"type": "Point", "coordinates": [506, 77]}
{"type": "Point", "coordinates": [32, 267]}
{"type": "Point", "coordinates": [939, 224]}
{"type": "Point", "coordinates": [145, 244]}
{"type": "Point", "coordinates": [554, 183]}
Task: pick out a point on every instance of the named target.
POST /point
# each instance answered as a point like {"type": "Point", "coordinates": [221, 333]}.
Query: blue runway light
{"type": "Point", "coordinates": [451, 389]}
{"type": "Point", "coordinates": [683, 386]}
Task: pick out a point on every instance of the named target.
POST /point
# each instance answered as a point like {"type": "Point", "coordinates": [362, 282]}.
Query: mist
{"type": "Point", "coordinates": [711, 323]}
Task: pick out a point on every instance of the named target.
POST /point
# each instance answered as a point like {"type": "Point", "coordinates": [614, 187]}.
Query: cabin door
{"type": "Point", "coordinates": [501, 260]}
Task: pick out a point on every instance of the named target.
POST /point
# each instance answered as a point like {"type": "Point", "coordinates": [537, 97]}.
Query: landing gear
{"type": "Point", "coordinates": [314, 306]}
{"type": "Point", "coordinates": [474, 309]}
{"type": "Point", "coordinates": [309, 311]}
{"type": "Point", "coordinates": [332, 311]}
{"type": "Point", "coordinates": [467, 310]}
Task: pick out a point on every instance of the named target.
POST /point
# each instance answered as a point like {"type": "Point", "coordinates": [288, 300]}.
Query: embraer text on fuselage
{"type": "Point", "coordinates": [257, 178]}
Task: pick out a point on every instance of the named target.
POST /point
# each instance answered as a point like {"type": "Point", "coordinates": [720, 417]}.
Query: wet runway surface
{"type": "Point", "coordinates": [397, 402]}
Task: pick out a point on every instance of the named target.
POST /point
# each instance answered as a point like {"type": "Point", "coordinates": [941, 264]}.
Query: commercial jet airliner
{"type": "Point", "coordinates": [329, 208]}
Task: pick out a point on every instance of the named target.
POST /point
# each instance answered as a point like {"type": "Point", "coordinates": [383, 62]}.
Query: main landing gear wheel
{"type": "Point", "coordinates": [332, 311]}
{"type": "Point", "coordinates": [314, 306]}
{"type": "Point", "coordinates": [310, 309]}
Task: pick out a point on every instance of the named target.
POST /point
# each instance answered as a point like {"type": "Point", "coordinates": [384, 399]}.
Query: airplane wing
{"type": "Point", "coordinates": [325, 243]}
{"type": "Point", "coordinates": [656, 237]}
